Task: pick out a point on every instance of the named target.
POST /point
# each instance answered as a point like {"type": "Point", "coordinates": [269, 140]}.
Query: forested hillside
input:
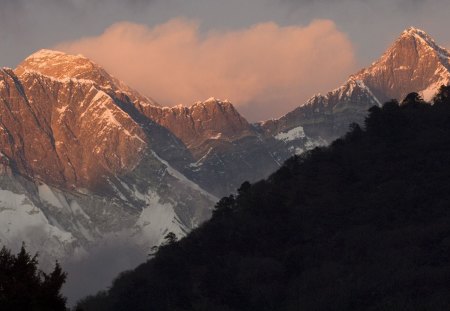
{"type": "Point", "coordinates": [361, 225]}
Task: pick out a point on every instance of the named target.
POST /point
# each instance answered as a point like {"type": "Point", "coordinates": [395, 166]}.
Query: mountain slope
{"type": "Point", "coordinates": [226, 149]}
{"type": "Point", "coordinates": [81, 163]}
{"type": "Point", "coordinates": [360, 225]}
{"type": "Point", "coordinates": [414, 62]}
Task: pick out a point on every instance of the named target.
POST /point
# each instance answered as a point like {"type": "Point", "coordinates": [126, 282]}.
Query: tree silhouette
{"type": "Point", "coordinates": [170, 238]}
{"type": "Point", "coordinates": [443, 96]}
{"type": "Point", "coordinates": [24, 287]}
{"type": "Point", "coordinates": [413, 98]}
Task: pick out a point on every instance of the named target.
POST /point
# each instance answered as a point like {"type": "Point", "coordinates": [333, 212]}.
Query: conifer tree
{"type": "Point", "coordinates": [23, 287]}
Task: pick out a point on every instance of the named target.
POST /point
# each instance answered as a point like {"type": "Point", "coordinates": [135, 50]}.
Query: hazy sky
{"type": "Point", "coordinates": [241, 50]}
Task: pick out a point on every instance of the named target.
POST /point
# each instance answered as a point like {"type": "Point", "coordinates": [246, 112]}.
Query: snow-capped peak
{"type": "Point", "coordinates": [64, 67]}
{"type": "Point", "coordinates": [46, 53]}
{"type": "Point", "coordinates": [415, 31]}
{"type": "Point", "coordinates": [211, 100]}
{"type": "Point", "coordinates": [423, 38]}
{"type": "Point", "coordinates": [215, 100]}
{"type": "Point", "coordinates": [414, 62]}
{"type": "Point", "coordinates": [60, 65]}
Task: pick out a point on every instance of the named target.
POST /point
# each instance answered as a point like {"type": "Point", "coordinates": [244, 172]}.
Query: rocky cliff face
{"type": "Point", "coordinates": [226, 149]}
{"type": "Point", "coordinates": [414, 63]}
{"type": "Point", "coordinates": [196, 125]}
{"type": "Point", "coordinates": [81, 163]}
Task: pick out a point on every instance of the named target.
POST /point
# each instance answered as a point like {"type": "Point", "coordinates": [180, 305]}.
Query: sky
{"type": "Point", "coordinates": [266, 56]}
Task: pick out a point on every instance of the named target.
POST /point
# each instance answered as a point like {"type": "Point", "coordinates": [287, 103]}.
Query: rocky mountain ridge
{"type": "Point", "coordinates": [81, 163]}
{"type": "Point", "coordinates": [414, 62]}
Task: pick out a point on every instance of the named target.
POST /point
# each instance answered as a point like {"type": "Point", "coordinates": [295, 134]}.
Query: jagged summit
{"type": "Point", "coordinates": [420, 42]}
{"type": "Point", "coordinates": [420, 35]}
{"type": "Point", "coordinates": [414, 41]}
{"type": "Point", "coordinates": [204, 120]}
{"type": "Point", "coordinates": [413, 63]}
{"type": "Point", "coordinates": [208, 104]}
{"type": "Point", "coordinates": [212, 101]}
{"type": "Point", "coordinates": [48, 53]}
{"type": "Point", "coordinates": [216, 100]}
{"type": "Point", "coordinates": [413, 31]}
{"type": "Point", "coordinates": [62, 66]}
{"type": "Point", "coordinates": [422, 38]}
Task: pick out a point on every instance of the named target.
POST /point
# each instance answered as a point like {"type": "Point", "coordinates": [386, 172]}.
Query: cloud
{"type": "Point", "coordinates": [265, 69]}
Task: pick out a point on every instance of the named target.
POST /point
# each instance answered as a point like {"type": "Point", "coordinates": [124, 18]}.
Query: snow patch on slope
{"type": "Point", "coordinates": [363, 86]}
{"type": "Point", "coordinates": [21, 221]}
{"type": "Point", "coordinates": [47, 195]}
{"type": "Point", "coordinates": [157, 219]}
{"type": "Point", "coordinates": [295, 133]}
{"type": "Point", "coordinates": [174, 173]}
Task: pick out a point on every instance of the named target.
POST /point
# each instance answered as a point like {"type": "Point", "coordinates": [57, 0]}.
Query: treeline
{"type": "Point", "coordinates": [363, 224]}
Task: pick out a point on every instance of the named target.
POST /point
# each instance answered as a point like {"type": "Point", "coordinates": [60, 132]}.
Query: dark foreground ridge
{"type": "Point", "coordinates": [361, 225]}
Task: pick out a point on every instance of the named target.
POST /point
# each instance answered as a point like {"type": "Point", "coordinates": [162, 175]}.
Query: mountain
{"type": "Point", "coordinates": [86, 160]}
{"type": "Point", "coordinates": [226, 149]}
{"type": "Point", "coordinates": [363, 224]}
{"type": "Point", "coordinates": [81, 163]}
{"type": "Point", "coordinates": [413, 63]}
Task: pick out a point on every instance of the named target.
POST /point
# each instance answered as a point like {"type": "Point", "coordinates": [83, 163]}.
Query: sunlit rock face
{"type": "Point", "coordinates": [81, 163]}
{"type": "Point", "coordinates": [212, 119]}
{"type": "Point", "coordinates": [226, 149]}
{"type": "Point", "coordinates": [414, 63]}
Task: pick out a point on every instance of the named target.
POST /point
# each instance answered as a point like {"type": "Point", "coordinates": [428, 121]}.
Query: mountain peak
{"type": "Point", "coordinates": [213, 100]}
{"type": "Point", "coordinates": [414, 31]}
{"type": "Point", "coordinates": [47, 54]}
{"type": "Point", "coordinates": [414, 62]}
{"type": "Point", "coordinates": [422, 38]}
{"type": "Point", "coordinates": [60, 65]}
